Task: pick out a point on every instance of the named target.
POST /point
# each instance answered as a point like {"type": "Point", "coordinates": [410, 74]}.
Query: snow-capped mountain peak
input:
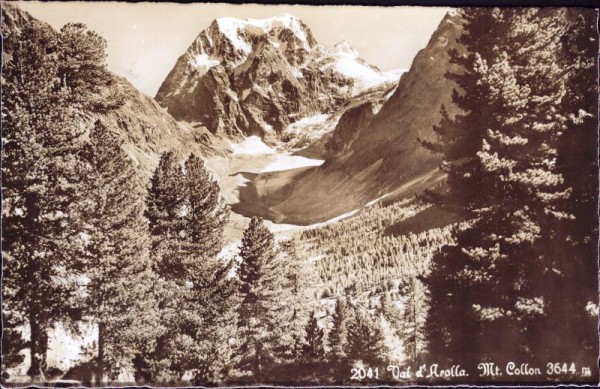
{"type": "Point", "coordinates": [269, 26]}
{"type": "Point", "coordinates": [348, 63]}
{"type": "Point", "coordinates": [255, 76]}
{"type": "Point", "coordinates": [240, 32]}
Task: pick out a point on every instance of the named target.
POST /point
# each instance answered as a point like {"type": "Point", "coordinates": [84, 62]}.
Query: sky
{"type": "Point", "coordinates": [145, 39]}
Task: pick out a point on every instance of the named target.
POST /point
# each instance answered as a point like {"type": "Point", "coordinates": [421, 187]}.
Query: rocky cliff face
{"type": "Point", "coordinates": [255, 77]}
{"type": "Point", "coordinates": [351, 124]}
{"type": "Point", "coordinates": [147, 130]}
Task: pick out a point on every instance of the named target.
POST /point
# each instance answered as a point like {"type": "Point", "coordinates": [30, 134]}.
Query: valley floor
{"type": "Point", "coordinates": [235, 173]}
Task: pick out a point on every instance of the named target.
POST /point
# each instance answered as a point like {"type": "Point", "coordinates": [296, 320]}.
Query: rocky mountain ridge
{"type": "Point", "coordinates": [255, 77]}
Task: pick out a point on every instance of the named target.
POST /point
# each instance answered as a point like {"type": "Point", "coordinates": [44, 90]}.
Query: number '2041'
{"type": "Point", "coordinates": [360, 373]}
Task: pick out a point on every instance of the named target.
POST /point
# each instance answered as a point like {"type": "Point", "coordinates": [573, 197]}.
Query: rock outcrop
{"type": "Point", "coordinates": [351, 124]}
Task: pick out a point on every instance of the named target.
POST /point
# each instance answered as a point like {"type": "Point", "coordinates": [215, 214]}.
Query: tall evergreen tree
{"type": "Point", "coordinates": [490, 292]}
{"type": "Point", "coordinates": [197, 295]}
{"type": "Point", "coordinates": [388, 308]}
{"type": "Point", "coordinates": [338, 335]}
{"type": "Point", "coordinates": [42, 135]}
{"type": "Point", "coordinates": [365, 340]}
{"type": "Point", "coordinates": [300, 294]}
{"type": "Point", "coordinates": [414, 318]}
{"type": "Point", "coordinates": [117, 263]}
{"type": "Point", "coordinates": [82, 70]}
{"type": "Point", "coordinates": [390, 318]}
{"type": "Point", "coordinates": [572, 299]}
{"type": "Point", "coordinates": [313, 349]}
{"type": "Point", "coordinates": [213, 292]}
{"type": "Point", "coordinates": [165, 202]}
{"type": "Point", "coordinates": [261, 309]}
{"type": "Point", "coordinates": [460, 137]}
{"type": "Point", "coordinates": [206, 212]}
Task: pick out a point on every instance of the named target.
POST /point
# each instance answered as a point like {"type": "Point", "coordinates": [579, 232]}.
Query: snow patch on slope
{"type": "Point", "coordinates": [311, 120]}
{"type": "Point", "coordinates": [252, 145]}
{"type": "Point", "coordinates": [372, 202]}
{"type": "Point", "coordinates": [288, 162]}
{"type": "Point", "coordinates": [203, 62]}
{"type": "Point", "coordinates": [289, 228]}
{"type": "Point", "coordinates": [230, 27]}
{"type": "Point", "coordinates": [304, 132]}
{"type": "Point", "coordinates": [307, 124]}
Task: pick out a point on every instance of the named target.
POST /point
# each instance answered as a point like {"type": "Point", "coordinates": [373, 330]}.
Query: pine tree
{"type": "Point", "coordinates": [460, 137]}
{"type": "Point", "coordinates": [164, 211]}
{"type": "Point", "coordinates": [571, 301]}
{"type": "Point", "coordinates": [206, 211]}
{"type": "Point", "coordinates": [299, 292]}
{"type": "Point", "coordinates": [490, 292]}
{"type": "Point", "coordinates": [313, 349]}
{"type": "Point", "coordinates": [390, 312]}
{"type": "Point", "coordinates": [338, 335]}
{"type": "Point", "coordinates": [365, 340]}
{"type": "Point", "coordinates": [213, 290]}
{"type": "Point", "coordinates": [414, 318]}
{"type": "Point", "coordinates": [117, 262]}
{"type": "Point", "coordinates": [82, 69]}
{"type": "Point", "coordinates": [12, 343]}
{"type": "Point", "coordinates": [391, 321]}
{"type": "Point", "coordinates": [389, 309]}
{"type": "Point", "coordinates": [197, 295]}
{"type": "Point", "coordinates": [42, 136]}
{"type": "Point", "coordinates": [453, 321]}
{"type": "Point", "coordinates": [261, 310]}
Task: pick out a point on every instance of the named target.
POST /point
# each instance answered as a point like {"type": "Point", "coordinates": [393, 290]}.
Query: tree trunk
{"type": "Point", "coordinates": [100, 360]}
{"type": "Point", "coordinates": [36, 348]}
{"type": "Point", "coordinates": [33, 212]}
{"type": "Point", "coordinates": [33, 341]}
{"type": "Point", "coordinates": [415, 330]}
{"type": "Point", "coordinates": [257, 372]}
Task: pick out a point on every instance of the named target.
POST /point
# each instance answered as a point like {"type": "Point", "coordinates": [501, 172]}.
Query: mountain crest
{"type": "Point", "coordinates": [344, 47]}
{"type": "Point", "coordinates": [240, 32]}
{"type": "Point", "coordinates": [271, 70]}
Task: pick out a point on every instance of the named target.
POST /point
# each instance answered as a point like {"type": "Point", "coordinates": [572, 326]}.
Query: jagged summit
{"type": "Point", "coordinates": [232, 40]}
{"type": "Point", "coordinates": [235, 29]}
{"type": "Point", "coordinates": [344, 47]}
{"type": "Point", "coordinates": [255, 76]}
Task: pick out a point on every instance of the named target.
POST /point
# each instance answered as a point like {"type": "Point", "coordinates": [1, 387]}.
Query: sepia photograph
{"type": "Point", "coordinates": [250, 194]}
